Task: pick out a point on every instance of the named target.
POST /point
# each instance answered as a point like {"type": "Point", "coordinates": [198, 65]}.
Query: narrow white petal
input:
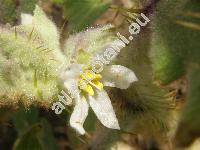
{"type": "Point", "coordinates": [69, 77]}
{"type": "Point", "coordinates": [79, 115]}
{"type": "Point", "coordinates": [103, 109]}
{"type": "Point", "coordinates": [118, 76]}
{"type": "Point", "coordinates": [72, 86]}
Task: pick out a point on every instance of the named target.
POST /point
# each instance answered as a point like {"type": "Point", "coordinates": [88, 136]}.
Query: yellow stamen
{"type": "Point", "coordinates": [88, 80]}
{"type": "Point", "coordinates": [98, 84]}
{"type": "Point", "coordinates": [88, 89]}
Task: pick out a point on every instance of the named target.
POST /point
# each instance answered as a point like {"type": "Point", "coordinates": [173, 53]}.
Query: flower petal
{"type": "Point", "coordinates": [79, 115]}
{"type": "Point", "coordinates": [70, 76]}
{"type": "Point", "coordinates": [118, 76]}
{"type": "Point", "coordinates": [72, 86]}
{"type": "Point", "coordinates": [103, 109]}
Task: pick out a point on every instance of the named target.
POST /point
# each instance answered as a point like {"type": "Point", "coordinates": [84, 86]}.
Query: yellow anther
{"type": "Point", "coordinates": [98, 84]}
{"type": "Point", "coordinates": [87, 75]}
{"type": "Point", "coordinates": [88, 80]}
{"type": "Point", "coordinates": [97, 77]}
{"type": "Point", "coordinates": [88, 89]}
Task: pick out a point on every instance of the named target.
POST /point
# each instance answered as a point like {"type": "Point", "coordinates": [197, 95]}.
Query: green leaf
{"type": "Point", "coordinates": [172, 43]}
{"type": "Point", "coordinates": [176, 53]}
{"type": "Point", "coordinates": [33, 132]}
{"type": "Point", "coordinates": [29, 140]}
{"type": "Point", "coordinates": [23, 118]}
{"type": "Point", "coordinates": [82, 13]}
{"type": "Point", "coordinates": [46, 137]}
{"type": "Point", "coordinates": [167, 51]}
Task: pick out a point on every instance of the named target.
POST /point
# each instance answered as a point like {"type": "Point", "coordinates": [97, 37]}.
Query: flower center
{"type": "Point", "coordinates": [89, 80]}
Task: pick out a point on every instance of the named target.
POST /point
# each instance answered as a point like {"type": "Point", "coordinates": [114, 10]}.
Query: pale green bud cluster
{"type": "Point", "coordinates": [30, 59]}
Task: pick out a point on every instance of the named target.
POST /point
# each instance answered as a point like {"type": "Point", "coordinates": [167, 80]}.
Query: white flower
{"type": "Point", "coordinates": [93, 94]}
{"type": "Point", "coordinates": [85, 86]}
